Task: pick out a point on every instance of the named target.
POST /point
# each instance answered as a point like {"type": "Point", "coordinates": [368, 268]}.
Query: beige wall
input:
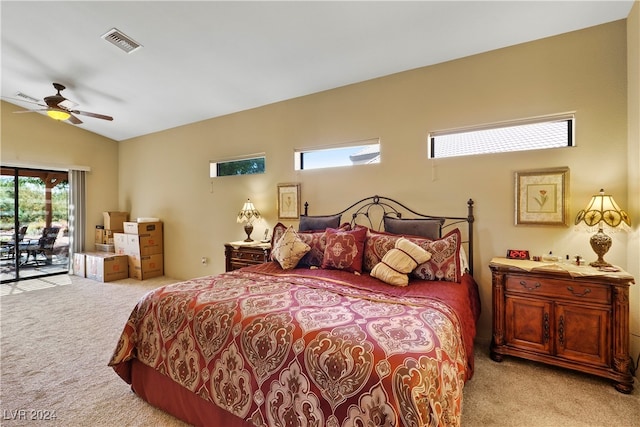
{"type": "Point", "coordinates": [34, 140]}
{"type": "Point", "coordinates": [633, 102]}
{"type": "Point", "coordinates": [166, 174]}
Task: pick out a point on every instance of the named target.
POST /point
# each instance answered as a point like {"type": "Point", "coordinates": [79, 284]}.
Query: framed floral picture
{"type": "Point", "coordinates": [542, 197]}
{"type": "Point", "coordinates": [289, 201]}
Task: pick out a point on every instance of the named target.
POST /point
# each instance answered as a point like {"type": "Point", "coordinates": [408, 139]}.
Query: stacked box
{"type": "Point", "coordinates": [137, 246]}
{"type": "Point", "coordinates": [100, 234]}
{"type": "Point", "coordinates": [120, 243]}
{"type": "Point", "coordinates": [104, 236]}
{"type": "Point", "coordinates": [115, 220]}
{"type": "Point", "coordinates": [143, 228]}
{"type": "Point", "coordinates": [79, 265]}
{"type": "Point", "coordinates": [146, 267]}
{"type": "Point", "coordinates": [113, 223]}
{"type": "Point", "coordinates": [106, 267]}
{"type": "Point", "coordinates": [142, 243]}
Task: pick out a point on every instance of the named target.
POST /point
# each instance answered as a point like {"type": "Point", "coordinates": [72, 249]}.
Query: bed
{"type": "Point", "coordinates": [348, 325]}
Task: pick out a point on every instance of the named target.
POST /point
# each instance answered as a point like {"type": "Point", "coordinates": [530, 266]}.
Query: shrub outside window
{"type": "Point", "coordinates": [240, 166]}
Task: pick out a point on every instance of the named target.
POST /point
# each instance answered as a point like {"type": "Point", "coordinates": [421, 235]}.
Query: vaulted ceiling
{"type": "Point", "coordinates": [204, 59]}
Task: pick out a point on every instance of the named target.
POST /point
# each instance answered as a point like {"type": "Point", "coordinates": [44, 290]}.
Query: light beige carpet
{"type": "Point", "coordinates": [57, 336]}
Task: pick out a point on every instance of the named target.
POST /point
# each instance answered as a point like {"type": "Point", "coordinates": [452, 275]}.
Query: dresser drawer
{"type": "Point", "coordinates": [239, 256]}
{"type": "Point", "coordinates": [558, 288]}
{"type": "Point", "coordinates": [258, 257]}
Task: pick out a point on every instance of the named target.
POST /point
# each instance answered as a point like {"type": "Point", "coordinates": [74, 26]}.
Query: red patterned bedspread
{"type": "Point", "coordinates": [310, 347]}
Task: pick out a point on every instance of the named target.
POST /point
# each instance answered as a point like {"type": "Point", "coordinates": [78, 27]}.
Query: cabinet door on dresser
{"type": "Point", "coordinates": [573, 317]}
{"type": "Point", "coordinates": [583, 334]}
{"type": "Point", "coordinates": [528, 324]}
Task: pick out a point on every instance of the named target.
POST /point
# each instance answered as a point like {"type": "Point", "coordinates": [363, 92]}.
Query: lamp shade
{"type": "Point", "coordinates": [248, 213]}
{"type": "Point", "coordinates": [603, 209]}
{"type": "Point", "coordinates": [58, 114]}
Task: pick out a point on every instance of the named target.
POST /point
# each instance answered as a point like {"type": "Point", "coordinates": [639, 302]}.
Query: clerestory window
{"type": "Point", "coordinates": [239, 166]}
{"type": "Point", "coordinates": [521, 135]}
{"type": "Point", "coordinates": [357, 153]}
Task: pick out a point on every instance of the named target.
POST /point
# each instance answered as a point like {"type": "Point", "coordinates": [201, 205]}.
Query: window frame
{"type": "Point", "coordinates": [214, 167]}
{"type": "Point", "coordinates": [299, 153]}
{"type": "Point", "coordinates": [562, 117]}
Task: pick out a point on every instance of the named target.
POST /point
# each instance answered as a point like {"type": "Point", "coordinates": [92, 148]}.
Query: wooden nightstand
{"type": "Point", "coordinates": [563, 315]}
{"type": "Point", "coordinates": [242, 254]}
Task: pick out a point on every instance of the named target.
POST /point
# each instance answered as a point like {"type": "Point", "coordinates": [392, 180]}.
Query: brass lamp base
{"type": "Point", "coordinates": [600, 243]}
{"type": "Point", "coordinates": [248, 228]}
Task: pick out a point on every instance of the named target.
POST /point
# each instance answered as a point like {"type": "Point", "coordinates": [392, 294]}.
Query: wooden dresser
{"type": "Point", "coordinates": [563, 315]}
{"type": "Point", "coordinates": [242, 254]}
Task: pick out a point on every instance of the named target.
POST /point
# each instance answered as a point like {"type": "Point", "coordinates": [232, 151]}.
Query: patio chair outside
{"type": "Point", "coordinates": [8, 249]}
{"type": "Point", "coordinates": [42, 246]}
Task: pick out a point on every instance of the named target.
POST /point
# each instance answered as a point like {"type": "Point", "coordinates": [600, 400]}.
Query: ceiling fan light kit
{"type": "Point", "coordinates": [58, 114]}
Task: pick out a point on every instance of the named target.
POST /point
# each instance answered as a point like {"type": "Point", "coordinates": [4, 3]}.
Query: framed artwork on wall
{"type": "Point", "coordinates": [289, 201]}
{"type": "Point", "coordinates": [542, 197]}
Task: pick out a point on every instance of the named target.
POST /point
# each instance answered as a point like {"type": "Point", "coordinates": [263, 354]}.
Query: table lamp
{"type": "Point", "coordinates": [247, 214]}
{"type": "Point", "coordinates": [601, 210]}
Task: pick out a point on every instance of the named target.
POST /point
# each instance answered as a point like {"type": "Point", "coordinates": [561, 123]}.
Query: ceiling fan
{"type": "Point", "coordinates": [60, 108]}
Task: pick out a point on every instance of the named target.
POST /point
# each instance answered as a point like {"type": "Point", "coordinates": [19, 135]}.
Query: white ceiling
{"type": "Point", "coordinates": [204, 59]}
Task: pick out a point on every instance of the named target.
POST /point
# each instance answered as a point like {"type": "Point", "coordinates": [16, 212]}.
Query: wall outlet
{"type": "Point", "coordinates": [204, 260]}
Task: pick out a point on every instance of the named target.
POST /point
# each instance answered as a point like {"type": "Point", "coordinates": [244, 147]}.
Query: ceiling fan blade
{"type": "Point", "coordinates": [24, 100]}
{"type": "Point", "coordinates": [67, 104]}
{"type": "Point", "coordinates": [94, 115]}
{"type": "Point", "coordinates": [73, 119]}
{"type": "Point", "coordinates": [29, 111]}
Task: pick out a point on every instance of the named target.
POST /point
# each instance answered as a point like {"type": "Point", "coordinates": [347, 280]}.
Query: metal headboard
{"type": "Point", "coordinates": [371, 211]}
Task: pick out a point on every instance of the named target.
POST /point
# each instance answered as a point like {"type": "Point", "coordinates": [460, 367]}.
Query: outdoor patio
{"type": "Point", "coordinates": [58, 263]}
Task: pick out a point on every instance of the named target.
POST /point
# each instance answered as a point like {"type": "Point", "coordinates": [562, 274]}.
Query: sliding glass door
{"type": "Point", "coordinates": [34, 223]}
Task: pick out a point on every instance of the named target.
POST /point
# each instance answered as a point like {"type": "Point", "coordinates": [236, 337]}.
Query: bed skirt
{"type": "Point", "coordinates": [165, 394]}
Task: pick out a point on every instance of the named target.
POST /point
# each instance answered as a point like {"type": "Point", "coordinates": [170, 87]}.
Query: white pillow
{"type": "Point", "coordinates": [289, 249]}
{"type": "Point", "coordinates": [399, 261]}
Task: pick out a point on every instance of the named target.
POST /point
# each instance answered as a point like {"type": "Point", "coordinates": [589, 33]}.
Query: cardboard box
{"type": "Point", "coordinates": [146, 245]}
{"type": "Point", "coordinates": [137, 246]}
{"type": "Point", "coordinates": [115, 220]}
{"type": "Point", "coordinates": [143, 228]}
{"type": "Point", "coordinates": [99, 234]}
{"type": "Point", "coordinates": [79, 265]}
{"type": "Point", "coordinates": [106, 267]}
{"type": "Point", "coordinates": [120, 243]}
{"type": "Point", "coordinates": [146, 267]}
{"type": "Point", "coordinates": [102, 247]}
{"type": "Point", "coordinates": [104, 236]}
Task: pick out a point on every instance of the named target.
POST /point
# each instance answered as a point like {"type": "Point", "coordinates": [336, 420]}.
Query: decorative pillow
{"type": "Point", "coordinates": [422, 227]}
{"type": "Point", "coordinates": [289, 249]}
{"type": "Point", "coordinates": [318, 242]}
{"type": "Point", "coordinates": [344, 249]}
{"type": "Point", "coordinates": [445, 258]}
{"type": "Point", "coordinates": [319, 223]}
{"type": "Point", "coordinates": [399, 261]}
{"type": "Point", "coordinates": [375, 246]}
{"type": "Point", "coordinates": [278, 232]}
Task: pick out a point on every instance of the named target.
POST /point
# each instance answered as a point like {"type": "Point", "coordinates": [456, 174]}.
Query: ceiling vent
{"type": "Point", "coordinates": [120, 40]}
